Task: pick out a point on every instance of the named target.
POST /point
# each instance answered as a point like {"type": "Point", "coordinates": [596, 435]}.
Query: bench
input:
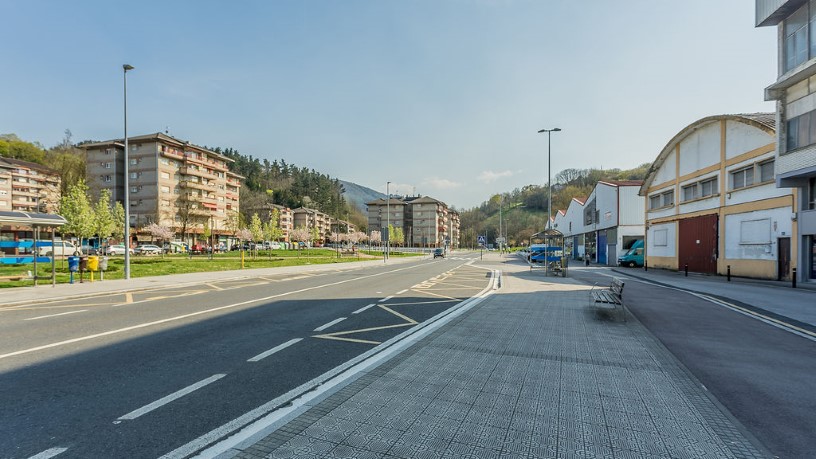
{"type": "Point", "coordinates": [612, 296]}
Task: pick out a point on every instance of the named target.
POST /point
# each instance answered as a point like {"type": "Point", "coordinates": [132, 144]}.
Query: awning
{"type": "Point", "coordinates": [31, 218]}
{"type": "Point", "coordinates": [209, 206]}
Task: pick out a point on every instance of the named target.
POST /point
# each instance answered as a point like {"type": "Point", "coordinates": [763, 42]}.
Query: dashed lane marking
{"type": "Point", "coordinates": [165, 400]}
{"type": "Point", "coordinates": [55, 315]}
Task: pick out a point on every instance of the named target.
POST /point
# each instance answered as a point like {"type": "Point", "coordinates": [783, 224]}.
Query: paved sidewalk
{"type": "Point", "coordinates": [531, 371]}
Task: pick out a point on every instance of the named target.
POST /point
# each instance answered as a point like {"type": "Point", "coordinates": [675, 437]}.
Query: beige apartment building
{"type": "Point", "coordinates": [172, 182]}
{"type": "Point", "coordinates": [426, 222]}
{"type": "Point", "coordinates": [28, 187]}
{"type": "Point", "coordinates": [304, 217]}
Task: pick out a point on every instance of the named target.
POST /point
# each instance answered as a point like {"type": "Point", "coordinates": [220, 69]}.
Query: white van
{"type": "Point", "coordinates": [60, 249]}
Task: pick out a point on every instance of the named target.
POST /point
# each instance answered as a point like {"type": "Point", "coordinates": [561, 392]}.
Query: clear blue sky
{"type": "Point", "coordinates": [440, 97]}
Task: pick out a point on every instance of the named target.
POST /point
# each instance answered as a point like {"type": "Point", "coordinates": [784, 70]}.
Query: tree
{"type": "Point", "coordinates": [12, 147]}
{"type": "Point", "coordinates": [68, 160]}
{"type": "Point", "coordinates": [77, 211]}
{"type": "Point", "coordinates": [256, 228]}
{"type": "Point", "coordinates": [118, 214]}
{"type": "Point", "coordinates": [299, 234]}
{"type": "Point", "coordinates": [104, 221]}
{"type": "Point", "coordinates": [159, 232]}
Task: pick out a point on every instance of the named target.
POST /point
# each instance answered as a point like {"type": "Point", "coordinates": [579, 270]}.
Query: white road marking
{"type": "Point", "coordinates": [402, 291]}
{"type": "Point", "coordinates": [165, 400]}
{"type": "Point", "coordinates": [55, 315]}
{"type": "Point", "coordinates": [386, 298]}
{"type": "Point", "coordinates": [364, 308]}
{"type": "Point", "coordinates": [193, 314]}
{"type": "Point", "coordinates": [49, 453]}
{"type": "Point", "coordinates": [325, 326]}
{"type": "Point", "coordinates": [275, 349]}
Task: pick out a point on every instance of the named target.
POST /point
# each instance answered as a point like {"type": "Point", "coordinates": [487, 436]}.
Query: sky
{"type": "Point", "coordinates": [442, 98]}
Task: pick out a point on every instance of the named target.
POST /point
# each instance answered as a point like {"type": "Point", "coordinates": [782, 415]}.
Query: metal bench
{"type": "Point", "coordinates": [612, 296]}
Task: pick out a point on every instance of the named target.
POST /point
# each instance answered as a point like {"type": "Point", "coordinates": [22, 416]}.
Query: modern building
{"type": "Point", "coordinates": [605, 224]}
{"type": "Point", "coordinates": [28, 187]}
{"type": "Point", "coordinates": [795, 94]}
{"type": "Point", "coordinates": [172, 182]}
{"type": "Point", "coordinates": [425, 221]}
{"type": "Point", "coordinates": [712, 205]}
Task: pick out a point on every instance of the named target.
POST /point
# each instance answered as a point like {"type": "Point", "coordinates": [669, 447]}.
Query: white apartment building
{"type": "Point", "coordinates": [795, 94]}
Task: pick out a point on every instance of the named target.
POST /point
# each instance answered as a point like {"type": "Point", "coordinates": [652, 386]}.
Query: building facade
{"type": "Point", "coordinates": [602, 226]}
{"type": "Point", "coordinates": [172, 182]}
{"type": "Point", "coordinates": [304, 217]}
{"type": "Point", "coordinates": [712, 205]}
{"type": "Point", "coordinates": [28, 187]}
{"type": "Point", "coordinates": [795, 94]}
{"type": "Point", "coordinates": [425, 221]}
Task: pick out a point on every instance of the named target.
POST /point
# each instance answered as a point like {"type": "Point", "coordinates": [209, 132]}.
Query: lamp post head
{"type": "Point", "coordinates": [550, 130]}
{"type": "Point", "coordinates": [127, 67]}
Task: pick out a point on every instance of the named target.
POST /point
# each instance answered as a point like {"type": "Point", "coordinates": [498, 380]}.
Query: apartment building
{"type": "Point", "coordinates": [28, 187]}
{"type": "Point", "coordinates": [795, 94]}
{"type": "Point", "coordinates": [172, 182]}
{"type": "Point", "coordinates": [425, 221]}
{"type": "Point", "coordinates": [304, 217]}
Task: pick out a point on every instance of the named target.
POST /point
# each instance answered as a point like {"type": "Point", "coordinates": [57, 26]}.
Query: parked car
{"type": "Point", "coordinates": [116, 249]}
{"type": "Point", "coordinates": [175, 247]}
{"type": "Point", "coordinates": [59, 249]}
{"type": "Point", "coordinates": [198, 249]}
{"type": "Point", "coordinates": [634, 256]}
{"type": "Point", "coordinates": [439, 253]}
{"type": "Point", "coordinates": [147, 249]}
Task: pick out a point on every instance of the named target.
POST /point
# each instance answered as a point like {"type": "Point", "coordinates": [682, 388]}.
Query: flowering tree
{"type": "Point", "coordinates": [159, 232]}
{"type": "Point", "coordinates": [375, 237]}
{"type": "Point", "coordinates": [300, 234]}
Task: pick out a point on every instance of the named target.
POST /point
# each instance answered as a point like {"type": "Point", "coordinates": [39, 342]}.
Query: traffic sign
{"type": "Point", "coordinates": [481, 240]}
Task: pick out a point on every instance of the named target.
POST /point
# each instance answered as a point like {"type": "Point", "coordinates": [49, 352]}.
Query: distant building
{"type": "Point", "coordinates": [712, 203]}
{"type": "Point", "coordinates": [28, 187]}
{"type": "Point", "coordinates": [602, 226]}
{"type": "Point", "coordinates": [795, 93]}
{"type": "Point", "coordinates": [172, 182]}
{"type": "Point", "coordinates": [425, 221]}
{"type": "Point", "coordinates": [304, 217]}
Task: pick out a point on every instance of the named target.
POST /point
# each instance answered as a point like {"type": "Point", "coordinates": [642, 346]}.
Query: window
{"type": "Point", "coordinates": [708, 187]}
{"type": "Point", "coordinates": [165, 175]}
{"type": "Point", "coordinates": [134, 161]}
{"type": "Point", "coordinates": [690, 192]}
{"type": "Point", "coordinates": [134, 189]}
{"type": "Point", "coordinates": [755, 231]}
{"type": "Point", "coordinates": [661, 238]}
{"type": "Point", "coordinates": [664, 199]}
{"type": "Point", "coordinates": [3, 192]}
{"type": "Point", "coordinates": [766, 171]}
{"type": "Point", "coordinates": [165, 161]}
{"type": "Point", "coordinates": [742, 178]}
{"type": "Point", "coordinates": [134, 175]}
{"type": "Point", "coordinates": [796, 38]}
{"type": "Point", "coordinates": [165, 189]}
{"type": "Point", "coordinates": [107, 165]}
{"type": "Point", "coordinates": [812, 197]}
{"type": "Point", "coordinates": [801, 131]}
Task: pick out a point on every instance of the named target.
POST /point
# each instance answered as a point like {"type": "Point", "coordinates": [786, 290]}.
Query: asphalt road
{"type": "Point", "coordinates": [138, 375]}
{"type": "Point", "coordinates": [763, 375]}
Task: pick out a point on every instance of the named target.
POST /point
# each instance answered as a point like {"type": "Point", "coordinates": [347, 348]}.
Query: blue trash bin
{"type": "Point", "coordinates": [73, 264]}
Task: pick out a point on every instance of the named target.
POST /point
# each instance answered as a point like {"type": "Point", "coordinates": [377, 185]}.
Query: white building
{"type": "Point", "coordinates": [795, 93]}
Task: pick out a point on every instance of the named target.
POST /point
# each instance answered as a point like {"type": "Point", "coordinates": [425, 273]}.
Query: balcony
{"type": "Point", "coordinates": [196, 185]}
{"type": "Point", "coordinates": [172, 153]}
{"type": "Point", "coordinates": [187, 170]}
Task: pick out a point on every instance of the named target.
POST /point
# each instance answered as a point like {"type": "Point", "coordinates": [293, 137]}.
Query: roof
{"type": "Point", "coordinates": [383, 202]}
{"type": "Point", "coordinates": [156, 137]}
{"type": "Point", "coordinates": [622, 182]}
{"type": "Point", "coordinates": [13, 162]}
{"type": "Point", "coordinates": [762, 121]}
{"type": "Point", "coordinates": [31, 218]}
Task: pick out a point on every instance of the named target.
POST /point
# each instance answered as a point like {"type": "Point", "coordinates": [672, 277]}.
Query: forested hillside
{"type": "Point", "coordinates": [524, 210]}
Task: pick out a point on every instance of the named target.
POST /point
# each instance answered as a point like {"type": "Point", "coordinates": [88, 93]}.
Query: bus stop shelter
{"type": "Point", "coordinates": [14, 222]}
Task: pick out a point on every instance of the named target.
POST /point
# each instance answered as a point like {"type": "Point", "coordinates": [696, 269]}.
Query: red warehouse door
{"type": "Point", "coordinates": [698, 244]}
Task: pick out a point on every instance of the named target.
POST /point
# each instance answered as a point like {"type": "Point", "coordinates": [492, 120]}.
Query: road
{"type": "Point", "coordinates": [762, 374]}
{"type": "Point", "coordinates": [143, 374]}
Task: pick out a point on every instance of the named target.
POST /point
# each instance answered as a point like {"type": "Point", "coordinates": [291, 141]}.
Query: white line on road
{"type": "Point", "coordinates": [165, 400]}
{"type": "Point", "coordinates": [275, 349]}
{"type": "Point", "coordinates": [49, 453]}
{"type": "Point", "coordinates": [386, 298]}
{"type": "Point", "coordinates": [55, 315]}
{"type": "Point", "coordinates": [325, 326]}
{"type": "Point", "coordinates": [402, 291]}
{"type": "Point", "coordinates": [193, 314]}
{"type": "Point", "coordinates": [364, 308]}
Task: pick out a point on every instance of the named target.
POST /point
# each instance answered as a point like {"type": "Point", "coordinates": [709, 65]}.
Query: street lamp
{"type": "Point", "coordinates": [127, 67]}
{"type": "Point", "coordinates": [387, 219]}
{"type": "Point", "coordinates": [549, 175]}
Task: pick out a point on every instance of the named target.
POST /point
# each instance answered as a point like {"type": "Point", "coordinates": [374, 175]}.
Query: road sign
{"type": "Point", "coordinates": [481, 240]}
{"type": "Point", "coordinates": [500, 240]}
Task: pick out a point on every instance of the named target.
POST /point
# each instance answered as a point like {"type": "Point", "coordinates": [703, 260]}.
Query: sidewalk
{"type": "Point", "coordinates": [777, 298]}
{"type": "Point", "coordinates": [531, 371]}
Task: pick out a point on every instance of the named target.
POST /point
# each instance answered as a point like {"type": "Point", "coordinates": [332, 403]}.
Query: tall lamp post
{"type": "Point", "coordinates": [549, 174]}
{"type": "Point", "coordinates": [127, 67]}
{"type": "Point", "coordinates": [387, 219]}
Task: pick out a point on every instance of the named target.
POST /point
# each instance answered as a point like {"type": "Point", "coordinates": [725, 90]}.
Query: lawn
{"type": "Point", "coordinates": [141, 266]}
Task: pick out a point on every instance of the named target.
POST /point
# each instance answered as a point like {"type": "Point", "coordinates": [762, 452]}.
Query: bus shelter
{"type": "Point", "coordinates": [15, 228]}
{"type": "Point", "coordinates": [550, 253]}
